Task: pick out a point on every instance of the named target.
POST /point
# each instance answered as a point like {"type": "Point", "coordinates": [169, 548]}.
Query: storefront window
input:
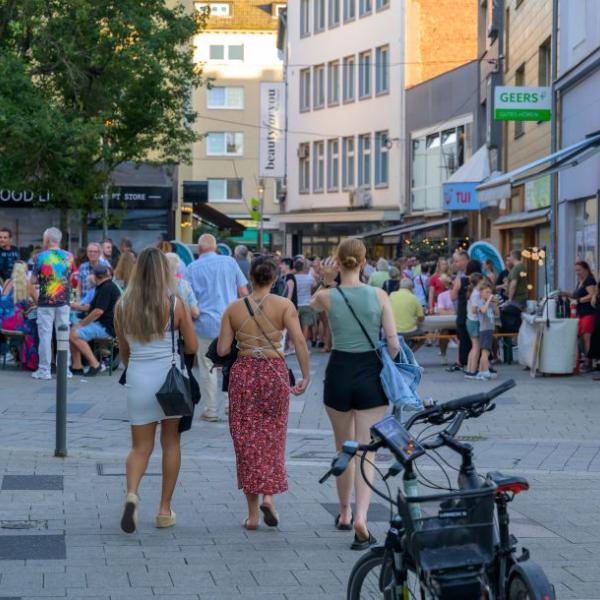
{"type": "Point", "coordinates": [586, 232]}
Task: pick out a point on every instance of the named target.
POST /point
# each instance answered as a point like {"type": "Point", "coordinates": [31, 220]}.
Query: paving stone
{"type": "Point", "coordinates": [31, 547]}
{"type": "Point", "coordinates": [32, 482]}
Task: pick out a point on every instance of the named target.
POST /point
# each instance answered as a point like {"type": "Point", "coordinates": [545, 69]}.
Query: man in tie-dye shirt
{"type": "Point", "coordinates": [52, 272]}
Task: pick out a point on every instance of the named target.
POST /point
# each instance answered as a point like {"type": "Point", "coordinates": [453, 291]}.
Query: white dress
{"type": "Point", "coordinates": [147, 370]}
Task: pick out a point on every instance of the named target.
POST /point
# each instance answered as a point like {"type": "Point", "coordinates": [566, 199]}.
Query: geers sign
{"type": "Point", "coordinates": [522, 103]}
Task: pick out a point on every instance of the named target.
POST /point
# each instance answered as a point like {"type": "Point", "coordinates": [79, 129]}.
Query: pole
{"type": "Point", "coordinates": [105, 211]}
{"type": "Point", "coordinates": [553, 254]}
{"type": "Point", "coordinates": [261, 225]}
{"type": "Point", "coordinates": [62, 342]}
{"type": "Point", "coordinates": [450, 233]}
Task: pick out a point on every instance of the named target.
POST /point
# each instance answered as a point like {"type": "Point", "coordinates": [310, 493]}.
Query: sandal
{"type": "Point", "coordinates": [164, 521]}
{"type": "Point", "coordinates": [270, 516]}
{"type": "Point", "coordinates": [130, 510]}
{"type": "Point", "coordinates": [359, 544]}
{"type": "Point", "coordinates": [249, 527]}
{"type": "Point", "coordinates": [344, 526]}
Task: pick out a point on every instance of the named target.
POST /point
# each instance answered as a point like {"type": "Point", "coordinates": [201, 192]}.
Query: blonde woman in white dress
{"type": "Point", "coordinates": [142, 324]}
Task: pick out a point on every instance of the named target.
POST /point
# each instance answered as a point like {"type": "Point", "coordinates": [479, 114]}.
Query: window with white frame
{"type": "Point", "coordinates": [364, 160]}
{"type": "Point", "coordinates": [318, 166]}
{"type": "Point", "coordinates": [334, 13]}
{"type": "Point", "coordinates": [365, 7]}
{"type": "Point", "coordinates": [381, 4]}
{"type": "Point", "coordinates": [304, 168]}
{"type": "Point", "coordinates": [435, 157]}
{"type": "Point", "coordinates": [382, 175]}
{"type": "Point", "coordinates": [348, 163]}
{"type": "Point", "coordinates": [349, 10]}
{"type": "Point", "coordinates": [225, 190]}
{"type": "Point", "coordinates": [333, 83]}
{"type": "Point", "coordinates": [349, 78]}
{"type": "Point", "coordinates": [304, 18]}
{"type": "Point", "coordinates": [225, 143]}
{"type": "Point", "coordinates": [382, 70]}
{"type": "Point", "coordinates": [305, 90]}
{"type": "Point", "coordinates": [333, 165]}
{"type": "Point", "coordinates": [365, 68]}
{"type": "Point", "coordinates": [215, 9]}
{"type": "Point", "coordinates": [225, 97]}
{"type": "Point", "coordinates": [319, 15]}
{"type": "Point", "coordinates": [318, 86]}
{"type": "Point", "coordinates": [277, 9]}
{"type": "Point", "coordinates": [226, 52]}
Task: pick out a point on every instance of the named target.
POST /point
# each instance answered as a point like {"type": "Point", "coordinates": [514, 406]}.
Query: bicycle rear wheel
{"type": "Point", "coordinates": [372, 574]}
{"type": "Point", "coordinates": [523, 587]}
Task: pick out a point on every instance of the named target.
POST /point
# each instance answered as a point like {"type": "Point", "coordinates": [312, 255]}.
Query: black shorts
{"type": "Point", "coordinates": [352, 381]}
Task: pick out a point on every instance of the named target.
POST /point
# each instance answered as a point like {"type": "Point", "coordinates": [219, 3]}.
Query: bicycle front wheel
{"type": "Point", "coordinates": [530, 586]}
{"type": "Point", "coordinates": [372, 574]}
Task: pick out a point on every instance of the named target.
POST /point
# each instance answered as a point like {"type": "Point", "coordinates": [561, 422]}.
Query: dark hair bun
{"type": "Point", "coordinates": [263, 271]}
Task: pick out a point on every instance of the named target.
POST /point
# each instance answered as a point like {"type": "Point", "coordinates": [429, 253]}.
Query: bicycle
{"type": "Point", "coordinates": [451, 546]}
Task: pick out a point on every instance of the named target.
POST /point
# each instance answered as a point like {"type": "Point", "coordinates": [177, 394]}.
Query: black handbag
{"type": "Point", "coordinates": [175, 394]}
{"type": "Point", "coordinates": [291, 376]}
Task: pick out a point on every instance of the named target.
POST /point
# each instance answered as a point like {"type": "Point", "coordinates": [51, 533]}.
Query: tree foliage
{"type": "Point", "coordinates": [86, 85]}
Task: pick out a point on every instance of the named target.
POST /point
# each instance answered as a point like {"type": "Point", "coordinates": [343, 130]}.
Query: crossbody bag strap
{"type": "Point", "coordinates": [363, 328]}
{"type": "Point", "coordinates": [172, 318]}
{"type": "Point", "coordinates": [251, 312]}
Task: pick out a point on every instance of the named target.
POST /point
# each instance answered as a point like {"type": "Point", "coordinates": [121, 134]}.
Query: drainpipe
{"type": "Point", "coordinates": [552, 284]}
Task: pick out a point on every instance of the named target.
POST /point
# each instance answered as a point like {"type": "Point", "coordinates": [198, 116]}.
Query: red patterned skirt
{"type": "Point", "coordinates": [259, 394]}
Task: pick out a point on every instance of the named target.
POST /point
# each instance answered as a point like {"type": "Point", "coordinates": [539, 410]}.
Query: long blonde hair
{"type": "Point", "coordinates": [19, 279]}
{"type": "Point", "coordinates": [143, 311]}
{"type": "Point", "coordinates": [124, 268]}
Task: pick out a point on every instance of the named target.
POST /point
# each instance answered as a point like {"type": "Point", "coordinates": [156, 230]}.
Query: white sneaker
{"type": "Point", "coordinates": [484, 376]}
{"type": "Point", "coordinates": [41, 375]}
{"type": "Point", "coordinates": [69, 374]}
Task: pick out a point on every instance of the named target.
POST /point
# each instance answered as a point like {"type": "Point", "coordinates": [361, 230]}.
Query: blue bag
{"type": "Point", "coordinates": [401, 377]}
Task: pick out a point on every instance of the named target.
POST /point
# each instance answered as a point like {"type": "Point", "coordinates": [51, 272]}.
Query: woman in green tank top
{"type": "Point", "coordinates": [353, 394]}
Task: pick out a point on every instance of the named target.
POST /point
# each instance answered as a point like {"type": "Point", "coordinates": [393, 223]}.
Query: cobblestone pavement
{"type": "Point", "coordinates": [59, 534]}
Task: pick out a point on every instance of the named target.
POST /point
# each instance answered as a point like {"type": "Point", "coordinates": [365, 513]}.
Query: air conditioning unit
{"type": "Point", "coordinates": [303, 151]}
{"type": "Point", "coordinates": [360, 198]}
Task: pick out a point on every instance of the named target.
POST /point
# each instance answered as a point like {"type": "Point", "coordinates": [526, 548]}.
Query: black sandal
{"type": "Point", "coordinates": [270, 515]}
{"type": "Point", "coordinates": [359, 544]}
{"type": "Point", "coordinates": [344, 526]}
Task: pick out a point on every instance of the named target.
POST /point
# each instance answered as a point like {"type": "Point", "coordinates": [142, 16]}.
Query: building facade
{"type": "Point", "coordinates": [578, 89]}
{"type": "Point", "coordinates": [237, 51]}
{"type": "Point", "coordinates": [345, 150]}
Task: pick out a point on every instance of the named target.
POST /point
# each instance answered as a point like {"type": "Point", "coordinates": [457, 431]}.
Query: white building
{"type": "Point", "coordinates": [579, 89]}
{"type": "Point", "coordinates": [345, 144]}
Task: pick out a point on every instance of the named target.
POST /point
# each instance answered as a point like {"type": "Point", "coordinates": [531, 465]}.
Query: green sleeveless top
{"type": "Point", "coordinates": [347, 334]}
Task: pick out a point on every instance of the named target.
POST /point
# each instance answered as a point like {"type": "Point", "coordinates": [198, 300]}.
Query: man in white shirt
{"type": "Point", "coordinates": [304, 285]}
{"type": "Point", "coordinates": [216, 281]}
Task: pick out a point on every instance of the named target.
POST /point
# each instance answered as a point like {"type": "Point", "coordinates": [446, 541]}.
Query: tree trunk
{"type": "Point", "coordinates": [64, 227]}
{"type": "Point", "coordinates": [84, 228]}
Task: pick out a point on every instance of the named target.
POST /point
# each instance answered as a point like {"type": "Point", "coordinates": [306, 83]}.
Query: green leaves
{"type": "Point", "coordinates": [88, 84]}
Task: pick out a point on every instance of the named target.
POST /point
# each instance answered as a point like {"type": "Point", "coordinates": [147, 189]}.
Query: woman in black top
{"type": "Point", "coordinates": [583, 295]}
{"type": "Point", "coordinates": [594, 353]}
{"type": "Point", "coordinates": [393, 283]}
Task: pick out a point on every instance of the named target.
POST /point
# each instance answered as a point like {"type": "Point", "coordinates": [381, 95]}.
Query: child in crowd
{"type": "Point", "coordinates": [473, 325]}
{"type": "Point", "coordinates": [487, 313]}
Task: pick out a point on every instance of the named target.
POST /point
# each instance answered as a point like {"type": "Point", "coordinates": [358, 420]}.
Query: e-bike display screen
{"type": "Point", "coordinates": [398, 439]}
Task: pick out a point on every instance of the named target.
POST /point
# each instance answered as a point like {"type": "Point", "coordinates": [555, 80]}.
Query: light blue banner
{"type": "Point", "coordinates": [460, 196]}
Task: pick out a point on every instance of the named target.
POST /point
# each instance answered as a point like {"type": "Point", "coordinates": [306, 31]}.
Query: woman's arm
{"type": "Point", "coordinates": [124, 350]}
{"type": "Point", "coordinates": [226, 335]}
{"type": "Point", "coordinates": [389, 323]}
{"type": "Point", "coordinates": [320, 301]}
{"type": "Point", "coordinates": [183, 320]}
{"type": "Point", "coordinates": [431, 296]}
{"type": "Point", "coordinates": [591, 290]}
{"type": "Point", "coordinates": [292, 324]}
{"type": "Point", "coordinates": [290, 289]}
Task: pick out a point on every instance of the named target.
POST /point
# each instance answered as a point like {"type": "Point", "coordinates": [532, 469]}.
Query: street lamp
{"type": "Point", "coordinates": [261, 226]}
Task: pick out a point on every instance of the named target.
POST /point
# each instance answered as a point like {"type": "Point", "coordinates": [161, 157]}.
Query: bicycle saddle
{"type": "Point", "coordinates": [508, 483]}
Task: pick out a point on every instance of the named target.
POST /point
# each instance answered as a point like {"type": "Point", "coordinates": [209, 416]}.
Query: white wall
{"type": "Point", "coordinates": [579, 31]}
{"type": "Point", "coordinates": [358, 117]}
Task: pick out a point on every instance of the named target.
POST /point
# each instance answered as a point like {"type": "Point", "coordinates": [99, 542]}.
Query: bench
{"type": "Point", "coordinates": [507, 338]}
{"type": "Point", "coordinates": [14, 338]}
{"type": "Point", "coordinates": [105, 346]}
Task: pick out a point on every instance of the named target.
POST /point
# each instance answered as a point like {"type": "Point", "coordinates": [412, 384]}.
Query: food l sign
{"type": "Point", "coordinates": [522, 103]}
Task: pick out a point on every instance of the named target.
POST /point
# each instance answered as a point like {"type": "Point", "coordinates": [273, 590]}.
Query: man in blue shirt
{"type": "Point", "coordinates": [216, 281]}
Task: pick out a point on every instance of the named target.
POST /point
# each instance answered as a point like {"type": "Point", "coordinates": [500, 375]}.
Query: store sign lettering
{"type": "Point", "coordinates": [460, 196]}
{"type": "Point", "coordinates": [522, 103]}
{"type": "Point", "coordinates": [25, 197]}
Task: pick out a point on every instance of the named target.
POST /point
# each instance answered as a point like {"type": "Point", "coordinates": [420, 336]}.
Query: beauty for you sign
{"type": "Point", "coordinates": [272, 130]}
{"type": "Point", "coordinates": [522, 103]}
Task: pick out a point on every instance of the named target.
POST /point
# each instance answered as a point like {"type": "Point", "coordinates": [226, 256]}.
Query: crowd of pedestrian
{"type": "Point", "coordinates": [255, 311]}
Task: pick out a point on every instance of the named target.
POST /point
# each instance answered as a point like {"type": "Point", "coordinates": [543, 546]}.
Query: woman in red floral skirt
{"type": "Point", "coordinates": [259, 388]}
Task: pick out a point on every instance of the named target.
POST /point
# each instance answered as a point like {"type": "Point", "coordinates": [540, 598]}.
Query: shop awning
{"type": "Point", "coordinates": [522, 219]}
{"type": "Point", "coordinates": [250, 237]}
{"type": "Point", "coordinates": [412, 227]}
{"type": "Point", "coordinates": [475, 170]}
{"type": "Point", "coordinates": [342, 216]}
{"type": "Point", "coordinates": [499, 187]}
{"type": "Point", "coordinates": [207, 213]}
